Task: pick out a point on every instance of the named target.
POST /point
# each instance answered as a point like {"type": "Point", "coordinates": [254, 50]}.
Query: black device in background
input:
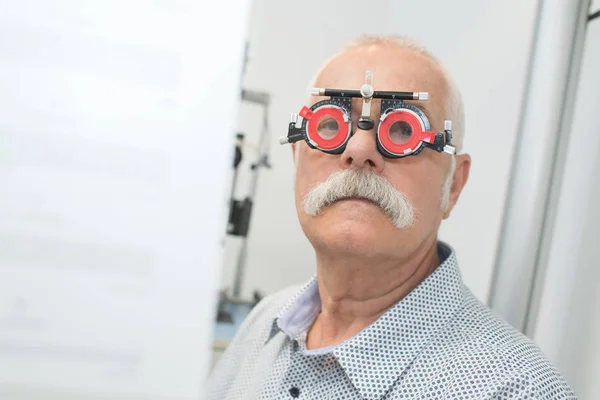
{"type": "Point", "coordinates": [239, 210]}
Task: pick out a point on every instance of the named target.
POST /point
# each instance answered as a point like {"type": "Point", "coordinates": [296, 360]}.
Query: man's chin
{"type": "Point", "coordinates": [348, 230]}
{"type": "Point", "coordinates": [350, 238]}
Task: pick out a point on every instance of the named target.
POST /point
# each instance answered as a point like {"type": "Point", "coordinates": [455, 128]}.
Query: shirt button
{"type": "Point", "coordinates": [294, 392]}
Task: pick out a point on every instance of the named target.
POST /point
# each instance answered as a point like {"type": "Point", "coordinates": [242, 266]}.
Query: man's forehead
{"type": "Point", "coordinates": [394, 70]}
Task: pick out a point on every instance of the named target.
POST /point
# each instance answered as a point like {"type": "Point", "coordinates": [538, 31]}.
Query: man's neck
{"type": "Point", "coordinates": [355, 291]}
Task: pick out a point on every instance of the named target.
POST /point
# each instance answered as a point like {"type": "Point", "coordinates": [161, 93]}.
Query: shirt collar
{"type": "Point", "coordinates": [299, 312]}
{"type": "Point", "coordinates": [299, 316]}
{"type": "Point", "coordinates": [387, 347]}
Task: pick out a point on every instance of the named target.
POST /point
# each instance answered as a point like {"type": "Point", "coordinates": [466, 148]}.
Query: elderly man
{"type": "Point", "coordinates": [387, 315]}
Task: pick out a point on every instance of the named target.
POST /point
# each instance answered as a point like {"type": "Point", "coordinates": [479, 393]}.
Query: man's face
{"type": "Point", "coordinates": [359, 226]}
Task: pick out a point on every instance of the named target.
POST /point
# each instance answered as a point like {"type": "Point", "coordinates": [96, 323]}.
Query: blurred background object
{"type": "Point", "coordinates": [564, 314]}
{"type": "Point", "coordinates": [116, 121]}
{"type": "Point", "coordinates": [232, 309]}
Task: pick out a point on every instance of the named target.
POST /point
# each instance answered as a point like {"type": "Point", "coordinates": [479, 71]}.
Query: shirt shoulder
{"type": "Point", "coordinates": [488, 346]}
{"type": "Point", "coordinates": [234, 373]}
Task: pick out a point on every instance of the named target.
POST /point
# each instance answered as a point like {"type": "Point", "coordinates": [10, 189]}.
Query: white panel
{"type": "Point", "coordinates": [116, 130]}
{"type": "Point", "coordinates": [546, 114]}
{"type": "Point", "coordinates": [568, 324]}
{"type": "Point", "coordinates": [489, 63]}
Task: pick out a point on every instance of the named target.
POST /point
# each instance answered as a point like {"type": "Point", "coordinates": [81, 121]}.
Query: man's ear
{"type": "Point", "coordinates": [461, 175]}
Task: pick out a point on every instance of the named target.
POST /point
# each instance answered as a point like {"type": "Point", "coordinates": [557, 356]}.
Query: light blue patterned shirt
{"type": "Point", "coordinates": [438, 342]}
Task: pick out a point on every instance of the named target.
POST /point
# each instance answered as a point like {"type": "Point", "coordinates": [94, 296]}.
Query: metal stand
{"type": "Point", "coordinates": [241, 210]}
{"type": "Point", "coordinates": [262, 161]}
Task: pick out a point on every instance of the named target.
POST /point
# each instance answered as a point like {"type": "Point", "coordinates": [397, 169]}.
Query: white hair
{"type": "Point", "coordinates": [454, 108]}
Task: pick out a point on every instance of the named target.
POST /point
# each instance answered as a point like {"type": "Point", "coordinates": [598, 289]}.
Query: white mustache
{"type": "Point", "coordinates": [364, 184]}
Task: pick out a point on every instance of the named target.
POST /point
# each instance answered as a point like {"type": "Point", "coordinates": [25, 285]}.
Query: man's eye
{"type": "Point", "coordinates": [400, 132]}
{"type": "Point", "coordinates": [327, 128]}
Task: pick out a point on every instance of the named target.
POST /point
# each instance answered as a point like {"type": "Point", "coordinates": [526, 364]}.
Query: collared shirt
{"type": "Point", "coordinates": [438, 342]}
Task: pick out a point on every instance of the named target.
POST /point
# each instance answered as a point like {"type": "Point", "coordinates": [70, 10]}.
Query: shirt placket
{"type": "Point", "coordinates": [303, 373]}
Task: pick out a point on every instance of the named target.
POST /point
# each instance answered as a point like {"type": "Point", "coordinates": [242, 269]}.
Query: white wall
{"type": "Point", "coordinates": [568, 323]}
{"type": "Point", "coordinates": [485, 46]}
{"type": "Point", "coordinates": [109, 241]}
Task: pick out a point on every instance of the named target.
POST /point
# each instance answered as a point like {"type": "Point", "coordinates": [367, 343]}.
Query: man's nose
{"type": "Point", "coordinates": [361, 152]}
